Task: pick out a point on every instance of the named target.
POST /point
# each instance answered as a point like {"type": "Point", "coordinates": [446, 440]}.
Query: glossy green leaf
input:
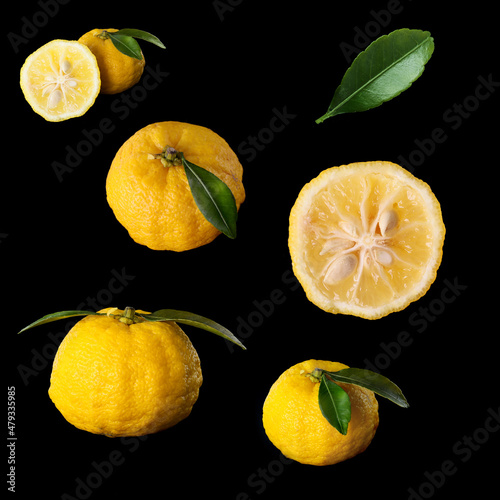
{"type": "Point", "coordinates": [387, 67]}
{"type": "Point", "coordinates": [213, 197]}
{"type": "Point", "coordinates": [370, 380]}
{"type": "Point", "coordinates": [334, 404]}
{"type": "Point", "coordinates": [192, 319]}
{"type": "Point", "coordinates": [184, 317]}
{"type": "Point", "coordinates": [126, 45]}
{"type": "Point", "coordinates": [142, 35]}
{"type": "Point", "coordinates": [57, 316]}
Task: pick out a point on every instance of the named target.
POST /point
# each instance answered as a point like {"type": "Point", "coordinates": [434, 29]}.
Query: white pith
{"type": "Point", "coordinates": [60, 84]}
{"type": "Point", "coordinates": [358, 244]}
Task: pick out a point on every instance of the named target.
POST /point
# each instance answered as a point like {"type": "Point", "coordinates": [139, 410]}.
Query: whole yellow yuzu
{"type": "Point", "coordinates": [118, 71]}
{"type": "Point", "coordinates": [153, 201]}
{"type": "Point", "coordinates": [120, 379]}
{"type": "Point", "coordinates": [294, 423]}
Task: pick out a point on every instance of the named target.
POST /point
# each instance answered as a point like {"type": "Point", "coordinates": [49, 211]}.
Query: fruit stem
{"type": "Point", "coordinates": [169, 157]}
{"type": "Point", "coordinates": [128, 316]}
{"type": "Point", "coordinates": [315, 375]}
{"type": "Point", "coordinates": [103, 35]}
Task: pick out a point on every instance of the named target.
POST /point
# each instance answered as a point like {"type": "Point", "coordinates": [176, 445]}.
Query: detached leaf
{"type": "Point", "coordinates": [387, 67]}
{"type": "Point", "coordinates": [213, 197]}
{"type": "Point", "coordinates": [56, 316]}
{"type": "Point", "coordinates": [370, 380]}
{"type": "Point", "coordinates": [142, 35]}
{"type": "Point", "coordinates": [334, 404]}
{"type": "Point", "coordinates": [126, 45]}
{"type": "Point", "coordinates": [192, 319]}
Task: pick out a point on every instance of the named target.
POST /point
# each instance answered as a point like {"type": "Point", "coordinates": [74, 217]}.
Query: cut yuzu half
{"type": "Point", "coordinates": [366, 239]}
{"type": "Point", "coordinates": [60, 80]}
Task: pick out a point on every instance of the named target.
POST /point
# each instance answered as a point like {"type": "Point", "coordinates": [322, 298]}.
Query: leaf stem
{"type": "Point", "coordinates": [322, 118]}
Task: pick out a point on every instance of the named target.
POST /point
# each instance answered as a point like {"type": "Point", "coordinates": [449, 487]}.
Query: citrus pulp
{"type": "Point", "coordinates": [366, 239]}
{"type": "Point", "coordinates": [60, 80]}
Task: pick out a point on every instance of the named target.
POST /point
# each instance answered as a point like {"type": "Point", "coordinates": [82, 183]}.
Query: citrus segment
{"type": "Point", "coordinates": [366, 239]}
{"type": "Point", "coordinates": [60, 80]}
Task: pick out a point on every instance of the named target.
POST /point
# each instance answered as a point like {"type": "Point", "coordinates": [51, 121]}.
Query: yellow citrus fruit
{"type": "Point", "coordinates": [120, 379]}
{"type": "Point", "coordinates": [153, 201]}
{"type": "Point", "coordinates": [294, 423]}
{"type": "Point", "coordinates": [118, 71]}
{"type": "Point", "coordinates": [366, 239]}
{"type": "Point", "coordinates": [60, 80]}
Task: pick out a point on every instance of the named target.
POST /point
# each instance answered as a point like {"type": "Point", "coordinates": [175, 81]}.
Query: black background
{"type": "Point", "coordinates": [232, 71]}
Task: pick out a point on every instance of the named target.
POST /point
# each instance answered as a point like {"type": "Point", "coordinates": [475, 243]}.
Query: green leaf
{"type": "Point", "coordinates": [142, 35]}
{"type": "Point", "coordinates": [334, 404]}
{"type": "Point", "coordinates": [126, 45]}
{"type": "Point", "coordinates": [370, 380]}
{"type": "Point", "coordinates": [185, 317]}
{"type": "Point", "coordinates": [56, 316]}
{"type": "Point", "coordinates": [213, 197]}
{"type": "Point", "coordinates": [387, 67]}
{"type": "Point", "coordinates": [192, 319]}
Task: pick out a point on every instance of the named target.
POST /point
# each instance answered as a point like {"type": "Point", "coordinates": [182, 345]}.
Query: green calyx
{"type": "Point", "coordinates": [128, 316]}
{"type": "Point", "coordinates": [103, 35]}
{"type": "Point", "coordinates": [314, 376]}
{"type": "Point", "coordinates": [169, 157]}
